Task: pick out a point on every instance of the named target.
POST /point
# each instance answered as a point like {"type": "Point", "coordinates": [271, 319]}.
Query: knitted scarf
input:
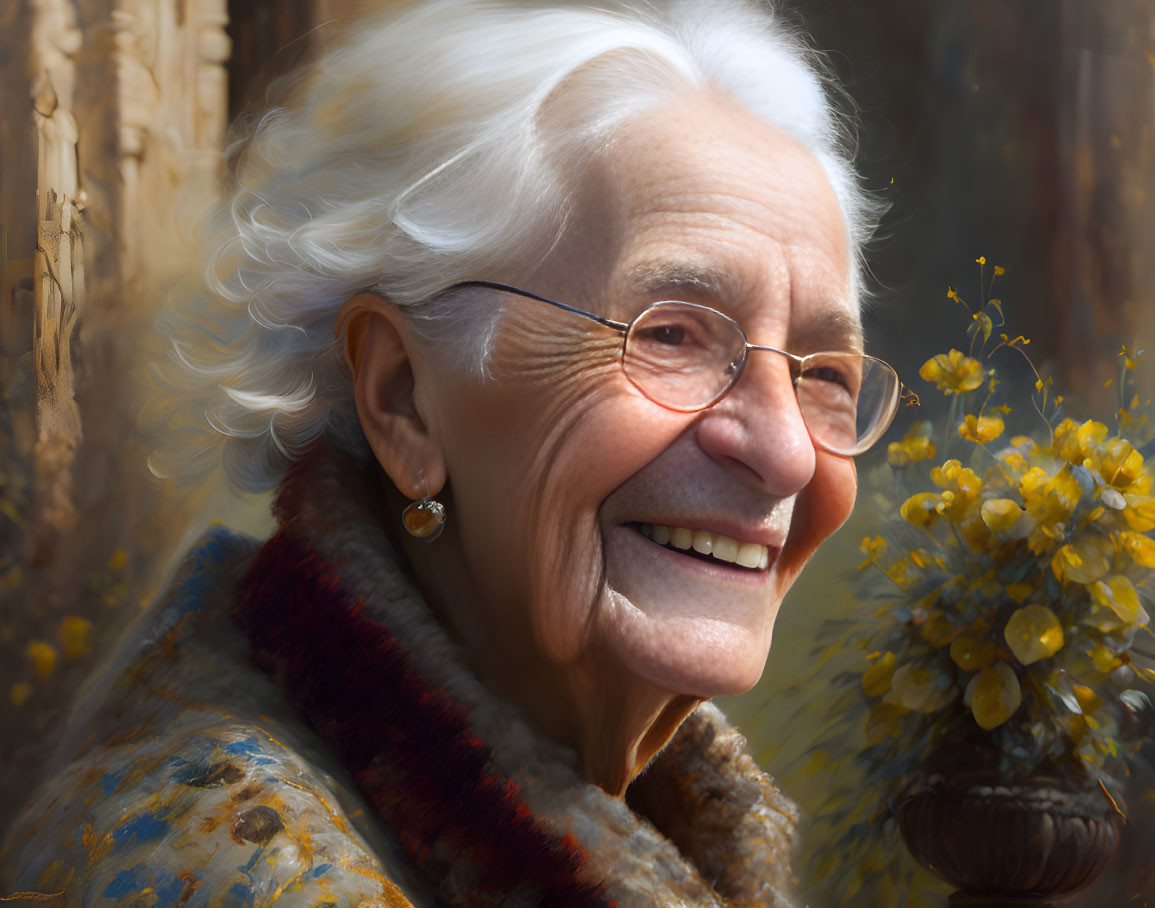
{"type": "Point", "coordinates": [488, 810]}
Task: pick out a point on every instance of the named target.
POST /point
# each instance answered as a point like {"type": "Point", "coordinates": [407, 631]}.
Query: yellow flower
{"type": "Point", "coordinates": [984, 324]}
{"type": "Point", "coordinates": [1103, 620]}
{"type": "Point", "coordinates": [876, 679]}
{"type": "Point", "coordinates": [937, 630]}
{"type": "Point", "coordinates": [962, 486]}
{"type": "Point", "coordinates": [975, 533]}
{"type": "Point", "coordinates": [1085, 560]}
{"type": "Point", "coordinates": [899, 572]}
{"type": "Point", "coordinates": [43, 657]}
{"type": "Point", "coordinates": [1139, 512]}
{"type": "Point", "coordinates": [1000, 514]}
{"type": "Point", "coordinates": [1074, 442]}
{"type": "Point", "coordinates": [981, 429]}
{"type": "Point", "coordinates": [953, 372]}
{"type": "Point", "coordinates": [1141, 548]}
{"type": "Point", "coordinates": [1104, 660]}
{"type": "Point", "coordinates": [945, 474]}
{"type": "Point", "coordinates": [923, 559]}
{"type": "Point", "coordinates": [1014, 461]}
{"type": "Point", "coordinates": [919, 509]}
{"type": "Point", "coordinates": [1033, 633]}
{"type": "Point", "coordinates": [1096, 514]}
{"type": "Point", "coordinates": [994, 695]}
{"type": "Point", "coordinates": [910, 450]}
{"type": "Point", "coordinates": [1019, 592]}
{"type": "Point", "coordinates": [1121, 466]}
{"type": "Point", "coordinates": [1033, 480]}
{"type": "Point", "coordinates": [1065, 442]}
{"type": "Point", "coordinates": [918, 689]}
{"type": "Point", "coordinates": [1118, 594]}
{"type": "Point", "coordinates": [973, 650]}
{"type": "Point", "coordinates": [1088, 700]}
{"type": "Point", "coordinates": [1051, 503]}
{"type": "Point", "coordinates": [873, 547]}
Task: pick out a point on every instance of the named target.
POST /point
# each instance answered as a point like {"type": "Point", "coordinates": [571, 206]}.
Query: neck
{"type": "Point", "coordinates": [614, 720]}
{"type": "Point", "coordinates": [619, 736]}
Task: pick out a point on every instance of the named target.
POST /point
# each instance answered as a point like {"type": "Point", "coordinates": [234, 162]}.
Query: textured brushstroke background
{"type": "Point", "coordinates": [1015, 129]}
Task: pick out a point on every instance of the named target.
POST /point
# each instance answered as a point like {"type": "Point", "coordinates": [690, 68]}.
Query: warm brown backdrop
{"type": "Point", "coordinates": [1015, 129]}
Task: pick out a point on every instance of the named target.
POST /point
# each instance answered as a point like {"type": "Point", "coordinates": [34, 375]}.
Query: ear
{"type": "Point", "coordinates": [380, 352]}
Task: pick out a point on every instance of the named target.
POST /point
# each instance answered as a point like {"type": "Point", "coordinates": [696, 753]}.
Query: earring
{"type": "Point", "coordinates": [424, 519]}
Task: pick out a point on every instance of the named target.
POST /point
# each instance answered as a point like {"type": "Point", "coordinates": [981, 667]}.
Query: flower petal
{"type": "Point", "coordinates": [994, 695]}
{"type": "Point", "coordinates": [1033, 632]}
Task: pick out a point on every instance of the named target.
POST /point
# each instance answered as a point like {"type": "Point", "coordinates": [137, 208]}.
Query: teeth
{"type": "Point", "coordinates": [749, 554]}
{"type": "Point", "coordinates": [723, 548]}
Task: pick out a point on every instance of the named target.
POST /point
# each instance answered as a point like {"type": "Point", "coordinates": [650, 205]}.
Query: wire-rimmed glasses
{"type": "Point", "coordinates": [686, 357]}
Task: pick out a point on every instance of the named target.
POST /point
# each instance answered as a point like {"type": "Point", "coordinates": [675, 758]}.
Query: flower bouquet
{"type": "Point", "coordinates": [1005, 673]}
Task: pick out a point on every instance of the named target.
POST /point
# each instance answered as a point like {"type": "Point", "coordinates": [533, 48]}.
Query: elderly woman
{"type": "Point", "coordinates": [543, 320]}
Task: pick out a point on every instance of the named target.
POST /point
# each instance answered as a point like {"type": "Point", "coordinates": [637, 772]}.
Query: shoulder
{"type": "Point", "coordinates": [188, 782]}
{"type": "Point", "coordinates": [212, 813]}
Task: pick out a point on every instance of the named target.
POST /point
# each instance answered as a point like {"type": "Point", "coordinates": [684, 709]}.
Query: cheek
{"type": "Point", "coordinates": [533, 453]}
{"type": "Point", "coordinates": [821, 508]}
{"type": "Point", "coordinates": [598, 445]}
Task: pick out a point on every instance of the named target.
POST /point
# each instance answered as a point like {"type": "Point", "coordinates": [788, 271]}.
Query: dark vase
{"type": "Point", "coordinates": [1008, 843]}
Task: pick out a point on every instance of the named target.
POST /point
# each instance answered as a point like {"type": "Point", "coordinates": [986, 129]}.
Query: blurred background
{"type": "Point", "coordinates": [1018, 130]}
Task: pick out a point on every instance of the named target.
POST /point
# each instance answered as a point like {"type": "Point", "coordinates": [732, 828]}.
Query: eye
{"type": "Point", "coordinates": [669, 335]}
{"type": "Point", "coordinates": [666, 328]}
{"type": "Point", "coordinates": [829, 373]}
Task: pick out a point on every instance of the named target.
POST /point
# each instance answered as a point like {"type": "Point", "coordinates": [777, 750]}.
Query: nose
{"type": "Point", "coordinates": [757, 432]}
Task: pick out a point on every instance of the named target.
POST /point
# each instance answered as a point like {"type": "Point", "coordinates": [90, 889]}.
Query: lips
{"type": "Point", "coordinates": [708, 545]}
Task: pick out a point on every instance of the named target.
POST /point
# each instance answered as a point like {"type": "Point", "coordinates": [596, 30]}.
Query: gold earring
{"type": "Point", "coordinates": [424, 519]}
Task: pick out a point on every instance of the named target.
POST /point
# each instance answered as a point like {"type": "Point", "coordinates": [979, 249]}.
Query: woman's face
{"type": "Point", "coordinates": [559, 469]}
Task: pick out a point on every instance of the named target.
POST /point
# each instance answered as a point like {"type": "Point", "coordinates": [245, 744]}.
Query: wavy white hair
{"type": "Point", "coordinates": [416, 155]}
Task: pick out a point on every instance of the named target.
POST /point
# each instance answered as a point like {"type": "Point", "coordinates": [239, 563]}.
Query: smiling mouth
{"type": "Point", "coordinates": [707, 546]}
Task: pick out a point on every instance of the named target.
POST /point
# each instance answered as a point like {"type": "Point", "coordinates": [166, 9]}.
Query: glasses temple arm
{"type": "Point", "coordinates": [505, 288]}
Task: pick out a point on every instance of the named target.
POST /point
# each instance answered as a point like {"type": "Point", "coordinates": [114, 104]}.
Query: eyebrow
{"type": "Point", "coordinates": [670, 280]}
{"type": "Point", "coordinates": [833, 329]}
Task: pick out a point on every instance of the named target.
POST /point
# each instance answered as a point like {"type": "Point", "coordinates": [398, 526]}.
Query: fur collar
{"type": "Point", "coordinates": [488, 810]}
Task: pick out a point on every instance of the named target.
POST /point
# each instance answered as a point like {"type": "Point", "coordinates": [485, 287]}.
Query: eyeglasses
{"type": "Point", "coordinates": [686, 357]}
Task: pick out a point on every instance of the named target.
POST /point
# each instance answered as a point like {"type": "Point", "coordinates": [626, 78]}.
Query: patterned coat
{"type": "Point", "coordinates": [290, 724]}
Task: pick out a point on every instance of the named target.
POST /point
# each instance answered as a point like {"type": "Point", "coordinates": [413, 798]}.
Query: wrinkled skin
{"type": "Point", "coordinates": [549, 464]}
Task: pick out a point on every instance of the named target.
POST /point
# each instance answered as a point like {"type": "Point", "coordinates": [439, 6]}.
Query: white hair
{"type": "Point", "coordinates": [414, 156]}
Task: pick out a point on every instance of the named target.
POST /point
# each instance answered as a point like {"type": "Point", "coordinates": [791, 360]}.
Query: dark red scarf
{"type": "Point", "coordinates": [407, 744]}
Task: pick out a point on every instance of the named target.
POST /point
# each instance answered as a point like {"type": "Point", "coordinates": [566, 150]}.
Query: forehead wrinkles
{"type": "Point", "coordinates": [742, 218]}
{"type": "Point", "coordinates": [710, 157]}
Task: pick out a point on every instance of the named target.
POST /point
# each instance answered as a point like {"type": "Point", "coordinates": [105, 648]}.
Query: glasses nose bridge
{"type": "Point", "coordinates": [793, 362]}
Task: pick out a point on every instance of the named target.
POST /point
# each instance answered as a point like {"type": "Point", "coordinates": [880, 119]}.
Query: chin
{"type": "Point", "coordinates": [717, 673]}
{"type": "Point", "coordinates": [694, 656]}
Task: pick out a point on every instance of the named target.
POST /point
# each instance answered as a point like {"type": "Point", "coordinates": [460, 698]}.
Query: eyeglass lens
{"type": "Point", "coordinates": [685, 357]}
